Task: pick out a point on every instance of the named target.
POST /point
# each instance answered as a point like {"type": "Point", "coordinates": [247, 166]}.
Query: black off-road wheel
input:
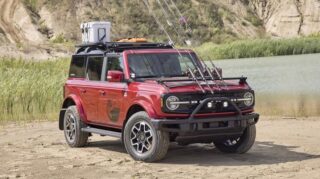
{"type": "Point", "coordinates": [142, 141]}
{"type": "Point", "coordinates": [72, 125]}
{"type": "Point", "coordinates": [238, 145]}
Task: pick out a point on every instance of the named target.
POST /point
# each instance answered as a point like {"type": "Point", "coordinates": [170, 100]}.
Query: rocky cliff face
{"type": "Point", "coordinates": [15, 23]}
{"type": "Point", "coordinates": [288, 18]}
{"type": "Point", "coordinates": [42, 21]}
{"type": "Point", "coordinates": [209, 20]}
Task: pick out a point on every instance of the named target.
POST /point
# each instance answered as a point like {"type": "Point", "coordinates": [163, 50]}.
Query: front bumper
{"type": "Point", "coordinates": [193, 127]}
{"type": "Point", "coordinates": [209, 125]}
{"type": "Point", "coordinates": [185, 131]}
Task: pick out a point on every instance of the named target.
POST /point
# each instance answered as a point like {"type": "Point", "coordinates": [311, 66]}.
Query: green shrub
{"type": "Point", "coordinates": [260, 48]}
{"type": "Point", "coordinates": [253, 19]}
{"type": "Point", "coordinates": [59, 39]}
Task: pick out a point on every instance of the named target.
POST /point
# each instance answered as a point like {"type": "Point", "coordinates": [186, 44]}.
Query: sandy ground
{"type": "Point", "coordinates": [284, 149]}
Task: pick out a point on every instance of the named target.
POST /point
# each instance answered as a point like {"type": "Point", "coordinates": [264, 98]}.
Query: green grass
{"type": "Point", "coordinates": [260, 48]}
{"type": "Point", "coordinates": [31, 90]}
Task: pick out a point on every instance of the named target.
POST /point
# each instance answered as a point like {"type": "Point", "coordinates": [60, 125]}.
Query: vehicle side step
{"type": "Point", "coordinates": [102, 132]}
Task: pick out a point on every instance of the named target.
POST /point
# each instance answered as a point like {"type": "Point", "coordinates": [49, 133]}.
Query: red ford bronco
{"type": "Point", "coordinates": [151, 94]}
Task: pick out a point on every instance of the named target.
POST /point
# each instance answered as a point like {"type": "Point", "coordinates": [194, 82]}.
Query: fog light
{"type": "Point", "coordinates": [209, 104]}
{"type": "Point", "coordinates": [225, 104]}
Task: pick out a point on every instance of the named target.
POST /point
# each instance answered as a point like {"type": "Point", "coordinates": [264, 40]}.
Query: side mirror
{"type": "Point", "coordinates": [115, 76]}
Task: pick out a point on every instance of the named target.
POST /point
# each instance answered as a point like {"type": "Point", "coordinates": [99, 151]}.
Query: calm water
{"type": "Point", "coordinates": [298, 74]}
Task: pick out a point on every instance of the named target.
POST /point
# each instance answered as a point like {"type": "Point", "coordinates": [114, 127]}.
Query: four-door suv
{"type": "Point", "coordinates": [150, 94]}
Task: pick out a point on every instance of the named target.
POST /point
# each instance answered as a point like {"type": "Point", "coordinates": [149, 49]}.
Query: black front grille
{"type": "Point", "coordinates": [218, 106]}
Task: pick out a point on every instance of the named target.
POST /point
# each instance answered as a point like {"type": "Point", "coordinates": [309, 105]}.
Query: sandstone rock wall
{"type": "Point", "coordinates": [280, 18]}
{"type": "Point", "coordinates": [288, 18]}
{"type": "Point", "coordinates": [16, 24]}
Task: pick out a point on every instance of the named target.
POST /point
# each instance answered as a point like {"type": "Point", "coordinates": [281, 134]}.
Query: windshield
{"type": "Point", "coordinates": [151, 65]}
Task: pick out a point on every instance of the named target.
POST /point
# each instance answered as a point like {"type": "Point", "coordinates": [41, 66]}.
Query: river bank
{"type": "Point", "coordinates": [251, 48]}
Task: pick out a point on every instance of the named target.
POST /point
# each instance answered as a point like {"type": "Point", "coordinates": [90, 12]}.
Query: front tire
{"type": "Point", "coordinates": [142, 141]}
{"type": "Point", "coordinates": [238, 145]}
{"type": "Point", "coordinates": [72, 125]}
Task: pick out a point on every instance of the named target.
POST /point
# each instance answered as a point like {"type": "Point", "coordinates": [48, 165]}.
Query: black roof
{"type": "Point", "coordinates": [119, 46]}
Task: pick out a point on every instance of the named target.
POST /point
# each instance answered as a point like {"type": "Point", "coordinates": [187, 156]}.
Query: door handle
{"type": "Point", "coordinates": [83, 90]}
{"type": "Point", "coordinates": [102, 92]}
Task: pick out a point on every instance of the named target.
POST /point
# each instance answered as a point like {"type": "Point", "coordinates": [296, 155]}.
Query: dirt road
{"type": "Point", "coordinates": [284, 148]}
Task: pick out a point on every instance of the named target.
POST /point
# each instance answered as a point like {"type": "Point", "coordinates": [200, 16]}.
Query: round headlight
{"type": "Point", "coordinates": [170, 103]}
{"type": "Point", "coordinates": [249, 98]}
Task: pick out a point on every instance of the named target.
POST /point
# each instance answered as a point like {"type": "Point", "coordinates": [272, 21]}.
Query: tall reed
{"type": "Point", "coordinates": [31, 90]}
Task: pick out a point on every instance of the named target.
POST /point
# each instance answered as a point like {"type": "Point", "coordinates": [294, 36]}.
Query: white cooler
{"type": "Point", "coordinates": [95, 32]}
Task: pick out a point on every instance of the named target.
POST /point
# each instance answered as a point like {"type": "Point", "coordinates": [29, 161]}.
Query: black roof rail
{"type": "Point", "coordinates": [121, 46]}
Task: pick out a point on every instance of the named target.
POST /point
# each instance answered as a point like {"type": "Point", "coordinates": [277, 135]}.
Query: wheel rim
{"type": "Point", "coordinates": [231, 142]}
{"type": "Point", "coordinates": [141, 137]}
{"type": "Point", "coordinates": [70, 128]}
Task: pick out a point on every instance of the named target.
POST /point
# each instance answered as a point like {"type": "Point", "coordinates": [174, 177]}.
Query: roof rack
{"type": "Point", "coordinates": [121, 46]}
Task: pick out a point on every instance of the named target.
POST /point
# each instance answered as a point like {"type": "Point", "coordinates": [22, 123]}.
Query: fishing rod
{"type": "Point", "coordinates": [197, 66]}
{"type": "Point", "coordinates": [157, 21]}
{"type": "Point", "coordinates": [170, 39]}
{"type": "Point", "coordinates": [169, 21]}
{"type": "Point", "coordinates": [175, 29]}
{"type": "Point", "coordinates": [193, 76]}
{"type": "Point", "coordinates": [182, 18]}
{"type": "Point", "coordinates": [207, 69]}
{"type": "Point", "coordinates": [188, 27]}
{"type": "Point", "coordinates": [203, 77]}
{"type": "Point", "coordinates": [195, 79]}
{"type": "Point", "coordinates": [218, 74]}
{"type": "Point", "coordinates": [181, 21]}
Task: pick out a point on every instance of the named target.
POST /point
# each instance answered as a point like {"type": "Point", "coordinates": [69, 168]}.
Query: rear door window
{"type": "Point", "coordinates": [94, 68]}
{"type": "Point", "coordinates": [77, 67]}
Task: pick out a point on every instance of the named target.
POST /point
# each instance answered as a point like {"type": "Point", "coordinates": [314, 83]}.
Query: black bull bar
{"type": "Point", "coordinates": [230, 124]}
